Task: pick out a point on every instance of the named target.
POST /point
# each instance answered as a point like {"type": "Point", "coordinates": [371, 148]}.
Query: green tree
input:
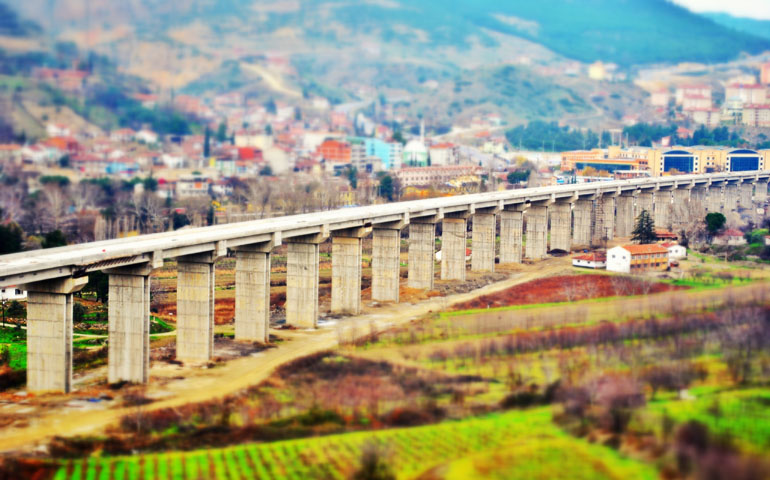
{"type": "Point", "coordinates": [150, 184]}
{"type": "Point", "coordinates": [518, 176]}
{"type": "Point", "coordinates": [399, 137]}
{"type": "Point", "coordinates": [99, 285]}
{"type": "Point", "coordinates": [644, 231]}
{"type": "Point", "coordinates": [179, 220]}
{"type": "Point", "coordinates": [353, 177]}
{"type": "Point", "coordinates": [54, 239]}
{"type": "Point", "coordinates": [207, 143]}
{"type": "Point", "coordinates": [268, 129]}
{"type": "Point", "coordinates": [11, 237]}
{"type": "Point", "coordinates": [386, 187]}
{"type": "Point", "coordinates": [715, 222]}
{"type": "Point", "coordinates": [222, 132]}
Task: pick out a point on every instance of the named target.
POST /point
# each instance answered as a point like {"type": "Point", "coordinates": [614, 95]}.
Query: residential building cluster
{"type": "Point", "coordinates": [743, 100]}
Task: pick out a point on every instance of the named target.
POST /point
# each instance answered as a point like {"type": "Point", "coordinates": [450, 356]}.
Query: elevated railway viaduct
{"type": "Point", "coordinates": [574, 215]}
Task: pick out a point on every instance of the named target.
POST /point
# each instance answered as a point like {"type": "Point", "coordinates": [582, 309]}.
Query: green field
{"type": "Point", "coordinates": [531, 444]}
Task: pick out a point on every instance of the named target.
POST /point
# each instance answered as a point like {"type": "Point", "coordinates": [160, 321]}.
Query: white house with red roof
{"type": "Point", "coordinates": [593, 260]}
{"type": "Point", "coordinates": [730, 237]}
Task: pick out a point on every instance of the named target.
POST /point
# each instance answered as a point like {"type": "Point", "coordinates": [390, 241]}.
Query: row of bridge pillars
{"type": "Point", "coordinates": [580, 221]}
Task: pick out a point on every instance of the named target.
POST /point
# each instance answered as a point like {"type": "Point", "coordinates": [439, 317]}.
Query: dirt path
{"type": "Point", "coordinates": [273, 81]}
{"type": "Point", "coordinates": [173, 386]}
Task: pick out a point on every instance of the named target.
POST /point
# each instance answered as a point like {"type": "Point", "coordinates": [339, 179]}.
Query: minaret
{"type": "Point", "coordinates": [422, 131]}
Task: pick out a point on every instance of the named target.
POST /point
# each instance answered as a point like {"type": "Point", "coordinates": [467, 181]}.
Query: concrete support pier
{"type": "Point", "coordinates": [128, 312]}
{"type": "Point", "coordinates": [511, 226]}
{"type": "Point", "coordinates": [252, 292]}
{"type": "Point", "coordinates": [49, 334]}
{"type": "Point", "coordinates": [195, 307]}
{"type": "Point", "coordinates": [302, 263]}
{"type": "Point", "coordinates": [680, 208]}
{"type": "Point", "coordinates": [715, 198]}
{"type": "Point", "coordinates": [483, 242]}
{"type": "Point", "coordinates": [346, 270]}
{"type": "Point", "coordinates": [644, 201]}
{"type": "Point", "coordinates": [583, 222]}
{"type": "Point", "coordinates": [760, 192]}
{"type": "Point", "coordinates": [730, 197]}
{"type": "Point", "coordinates": [386, 264]}
{"type": "Point", "coordinates": [746, 193]}
{"type": "Point", "coordinates": [422, 246]}
{"type": "Point", "coordinates": [698, 201]}
{"type": "Point", "coordinates": [604, 219]}
{"type": "Point", "coordinates": [624, 216]}
{"type": "Point", "coordinates": [561, 226]}
{"type": "Point", "coordinates": [453, 244]}
{"type": "Point", "coordinates": [662, 209]}
{"type": "Point", "coordinates": [537, 232]}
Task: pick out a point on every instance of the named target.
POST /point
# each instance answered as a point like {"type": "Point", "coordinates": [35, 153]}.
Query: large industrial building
{"type": "Point", "coordinates": [666, 161]}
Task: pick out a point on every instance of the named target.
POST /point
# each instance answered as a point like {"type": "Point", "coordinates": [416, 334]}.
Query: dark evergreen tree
{"type": "Point", "coordinates": [644, 231]}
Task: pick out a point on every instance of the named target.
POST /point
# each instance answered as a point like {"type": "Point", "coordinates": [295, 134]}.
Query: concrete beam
{"type": "Point", "coordinates": [252, 291]}
{"type": "Point", "coordinates": [453, 244]}
{"type": "Point", "coordinates": [483, 242]}
{"type": "Point", "coordinates": [537, 232]}
{"type": "Point", "coordinates": [302, 264]}
{"type": "Point", "coordinates": [511, 235]}
{"type": "Point", "coordinates": [195, 307]}
{"type": "Point", "coordinates": [386, 264]}
{"type": "Point", "coordinates": [699, 201]}
{"type": "Point", "coordinates": [422, 246]}
{"type": "Point", "coordinates": [680, 207]}
{"type": "Point", "coordinates": [561, 226]}
{"type": "Point", "coordinates": [644, 201]}
{"type": "Point", "coordinates": [346, 270]}
{"type": "Point", "coordinates": [128, 312]}
{"type": "Point", "coordinates": [49, 334]}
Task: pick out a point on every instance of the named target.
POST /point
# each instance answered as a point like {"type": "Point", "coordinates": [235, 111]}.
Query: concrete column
{"type": "Point", "coordinates": [49, 334]}
{"type": "Point", "coordinates": [386, 264]}
{"type": "Point", "coordinates": [422, 246]}
{"type": "Point", "coordinates": [195, 308]}
{"type": "Point", "coordinates": [644, 201]}
{"type": "Point", "coordinates": [680, 208]}
{"type": "Point", "coordinates": [511, 225]}
{"type": "Point", "coordinates": [302, 264]}
{"type": "Point", "coordinates": [453, 244]}
{"type": "Point", "coordinates": [730, 197]}
{"type": "Point", "coordinates": [746, 192]}
{"type": "Point", "coordinates": [760, 192]}
{"type": "Point", "coordinates": [483, 242]}
{"type": "Point", "coordinates": [583, 222]}
{"type": "Point", "coordinates": [128, 312]}
{"type": "Point", "coordinates": [698, 201]}
{"type": "Point", "coordinates": [346, 270]}
{"type": "Point", "coordinates": [662, 209]}
{"type": "Point", "coordinates": [561, 226]}
{"type": "Point", "coordinates": [715, 198]}
{"type": "Point", "coordinates": [624, 215]}
{"type": "Point", "coordinates": [537, 232]}
{"type": "Point", "coordinates": [252, 292]}
{"type": "Point", "coordinates": [604, 219]}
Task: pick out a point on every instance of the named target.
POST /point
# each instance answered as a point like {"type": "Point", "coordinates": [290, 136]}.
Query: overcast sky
{"type": "Point", "coordinates": [739, 8]}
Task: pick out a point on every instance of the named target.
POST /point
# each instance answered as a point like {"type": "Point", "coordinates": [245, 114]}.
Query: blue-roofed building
{"type": "Point", "coordinates": [743, 160]}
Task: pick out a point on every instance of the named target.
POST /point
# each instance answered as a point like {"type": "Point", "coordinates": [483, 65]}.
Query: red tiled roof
{"type": "Point", "coordinates": [644, 249]}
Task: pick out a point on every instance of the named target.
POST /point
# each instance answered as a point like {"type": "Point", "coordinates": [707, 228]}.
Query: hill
{"type": "Point", "coordinates": [627, 32]}
{"type": "Point", "coordinates": [759, 28]}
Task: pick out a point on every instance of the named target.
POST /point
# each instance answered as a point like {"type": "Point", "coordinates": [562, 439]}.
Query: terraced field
{"type": "Point", "coordinates": [533, 445]}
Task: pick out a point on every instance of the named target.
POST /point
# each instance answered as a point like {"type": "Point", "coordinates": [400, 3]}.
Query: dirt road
{"type": "Point", "coordinates": [174, 386]}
